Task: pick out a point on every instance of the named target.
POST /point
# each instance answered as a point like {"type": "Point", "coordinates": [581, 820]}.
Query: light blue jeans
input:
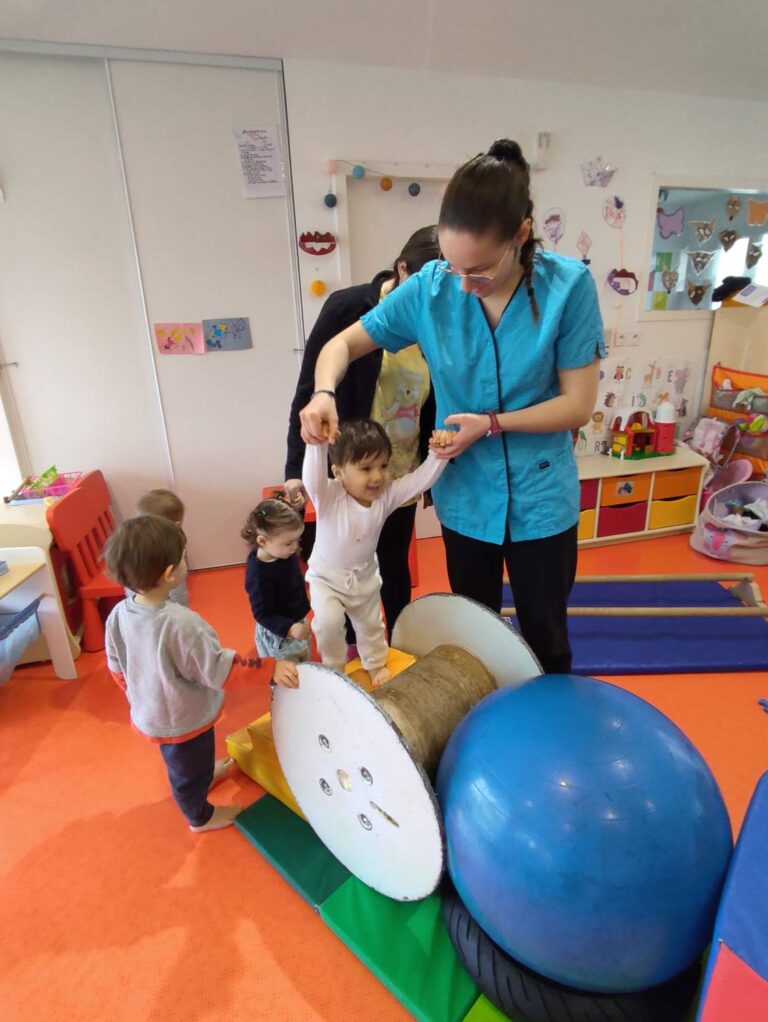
{"type": "Point", "coordinates": [270, 645]}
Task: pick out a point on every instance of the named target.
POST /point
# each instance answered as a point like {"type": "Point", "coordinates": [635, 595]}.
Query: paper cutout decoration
{"type": "Point", "coordinates": [316, 243]}
{"type": "Point", "coordinates": [728, 239]}
{"type": "Point", "coordinates": [318, 288]}
{"type": "Point", "coordinates": [623, 282]}
{"type": "Point", "coordinates": [669, 279]}
{"type": "Point", "coordinates": [671, 225]}
{"type": "Point", "coordinates": [597, 173]}
{"type": "Point", "coordinates": [554, 224]}
{"type": "Point", "coordinates": [757, 213]}
{"type": "Point", "coordinates": [227, 334]}
{"type": "Point", "coordinates": [614, 211]}
{"type": "Point", "coordinates": [584, 244]}
{"type": "Point", "coordinates": [697, 291]}
{"type": "Point", "coordinates": [704, 229]}
{"type": "Point", "coordinates": [754, 254]}
{"type": "Point", "coordinates": [700, 261]}
{"type": "Point", "coordinates": [179, 338]}
{"type": "Point", "coordinates": [733, 206]}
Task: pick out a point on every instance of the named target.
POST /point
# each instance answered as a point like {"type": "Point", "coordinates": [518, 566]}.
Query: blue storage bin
{"type": "Point", "coordinates": [17, 631]}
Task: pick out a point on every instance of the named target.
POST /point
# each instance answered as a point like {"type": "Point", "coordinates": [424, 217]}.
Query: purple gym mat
{"type": "Point", "coordinates": [652, 645]}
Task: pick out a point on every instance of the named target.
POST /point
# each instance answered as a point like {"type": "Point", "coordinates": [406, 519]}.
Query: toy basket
{"type": "Point", "coordinates": [61, 485]}
{"type": "Point", "coordinates": [724, 540]}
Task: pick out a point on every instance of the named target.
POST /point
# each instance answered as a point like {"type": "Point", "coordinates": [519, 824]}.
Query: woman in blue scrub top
{"type": "Point", "coordinates": [512, 336]}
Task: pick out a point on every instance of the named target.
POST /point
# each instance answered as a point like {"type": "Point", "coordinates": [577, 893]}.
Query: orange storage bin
{"type": "Point", "coordinates": [620, 490]}
{"type": "Point", "coordinates": [587, 524]}
{"type": "Point", "coordinates": [681, 482]}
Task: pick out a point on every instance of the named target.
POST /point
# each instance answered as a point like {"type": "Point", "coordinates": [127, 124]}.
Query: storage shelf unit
{"type": "Point", "coordinates": [622, 500]}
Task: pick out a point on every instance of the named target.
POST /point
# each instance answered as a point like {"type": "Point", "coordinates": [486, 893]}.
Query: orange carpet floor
{"type": "Point", "coordinates": [110, 909]}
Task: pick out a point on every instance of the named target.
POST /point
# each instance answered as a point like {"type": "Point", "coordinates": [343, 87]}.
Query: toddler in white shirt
{"type": "Point", "coordinates": [351, 510]}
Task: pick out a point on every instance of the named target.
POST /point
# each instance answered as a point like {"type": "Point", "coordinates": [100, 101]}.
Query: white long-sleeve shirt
{"type": "Point", "coordinates": [348, 533]}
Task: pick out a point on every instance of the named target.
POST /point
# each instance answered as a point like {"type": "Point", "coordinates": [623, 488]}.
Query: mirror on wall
{"type": "Point", "coordinates": [701, 236]}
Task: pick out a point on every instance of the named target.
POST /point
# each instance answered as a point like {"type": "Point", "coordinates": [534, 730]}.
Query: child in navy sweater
{"type": "Point", "coordinates": [274, 582]}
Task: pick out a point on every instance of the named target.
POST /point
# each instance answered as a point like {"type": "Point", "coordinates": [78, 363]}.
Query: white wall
{"type": "Point", "coordinates": [370, 115]}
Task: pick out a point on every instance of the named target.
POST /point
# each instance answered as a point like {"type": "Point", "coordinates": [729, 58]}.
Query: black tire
{"type": "Point", "coordinates": [525, 996]}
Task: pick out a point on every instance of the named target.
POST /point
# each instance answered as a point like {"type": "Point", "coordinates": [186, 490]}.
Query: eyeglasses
{"type": "Point", "coordinates": [476, 278]}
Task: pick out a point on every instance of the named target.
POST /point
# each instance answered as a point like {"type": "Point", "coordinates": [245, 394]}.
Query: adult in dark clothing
{"type": "Point", "coordinates": [393, 390]}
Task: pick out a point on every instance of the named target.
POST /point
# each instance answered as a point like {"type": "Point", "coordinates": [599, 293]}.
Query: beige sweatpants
{"type": "Point", "coordinates": [356, 592]}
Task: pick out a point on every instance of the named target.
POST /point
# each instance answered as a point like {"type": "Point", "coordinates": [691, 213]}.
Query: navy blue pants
{"type": "Point", "coordinates": [190, 771]}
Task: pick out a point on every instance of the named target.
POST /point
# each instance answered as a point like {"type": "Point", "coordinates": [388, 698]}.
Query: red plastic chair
{"type": "Point", "coordinates": [81, 522]}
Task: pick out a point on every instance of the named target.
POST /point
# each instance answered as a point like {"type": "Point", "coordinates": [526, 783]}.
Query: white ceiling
{"type": "Point", "coordinates": [705, 47]}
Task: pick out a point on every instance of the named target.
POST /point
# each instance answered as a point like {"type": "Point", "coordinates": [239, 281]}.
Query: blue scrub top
{"type": "Point", "coordinates": [525, 481]}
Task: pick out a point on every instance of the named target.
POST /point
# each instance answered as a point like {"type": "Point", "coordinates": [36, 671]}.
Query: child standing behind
{"type": "Point", "coordinates": [166, 505]}
{"type": "Point", "coordinates": [351, 510]}
{"type": "Point", "coordinates": [171, 665]}
{"type": "Point", "coordinates": [274, 582]}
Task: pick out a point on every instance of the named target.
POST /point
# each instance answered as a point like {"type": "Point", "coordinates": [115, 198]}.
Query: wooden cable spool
{"type": "Point", "coordinates": [360, 764]}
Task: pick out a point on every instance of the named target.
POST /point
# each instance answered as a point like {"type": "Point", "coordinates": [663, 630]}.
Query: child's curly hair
{"type": "Point", "coordinates": [358, 440]}
{"type": "Point", "coordinates": [269, 517]}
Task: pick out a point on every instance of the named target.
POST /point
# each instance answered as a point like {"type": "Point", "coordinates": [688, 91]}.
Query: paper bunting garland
{"type": "Point", "coordinates": [700, 261]}
{"type": "Point", "coordinates": [697, 291]}
{"type": "Point", "coordinates": [704, 229]}
{"type": "Point", "coordinates": [728, 239]}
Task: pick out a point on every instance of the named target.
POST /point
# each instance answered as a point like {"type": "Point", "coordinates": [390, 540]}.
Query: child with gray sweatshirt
{"type": "Point", "coordinates": [171, 665]}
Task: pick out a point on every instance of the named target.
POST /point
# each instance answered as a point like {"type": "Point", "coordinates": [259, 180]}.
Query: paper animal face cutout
{"type": "Point", "coordinates": [623, 282]}
{"type": "Point", "coordinates": [728, 239]}
{"type": "Point", "coordinates": [733, 206]}
{"type": "Point", "coordinates": [697, 291]}
{"type": "Point", "coordinates": [671, 225]}
{"type": "Point", "coordinates": [754, 254]}
{"type": "Point", "coordinates": [614, 211]}
{"type": "Point", "coordinates": [669, 279]}
{"type": "Point", "coordinates": [700, 260]}
{"type": "Point", "coordinates": [704, 229]}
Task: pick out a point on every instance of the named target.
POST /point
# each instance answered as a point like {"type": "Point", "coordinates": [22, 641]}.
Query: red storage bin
{"type": "Point", "coordinates": [589, 489]}
{"type": "Point", "coordinates": [615, 521]}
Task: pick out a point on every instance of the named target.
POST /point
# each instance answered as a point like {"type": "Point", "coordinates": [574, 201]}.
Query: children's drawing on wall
{"type": "Point", "coordinates": [584, 244]}
{"type": "Point", "coordinates": [696, 292]}
{"type": "Point", "coordinates": [227, 334]}
{"type": "Point", "coordinates": [691, 257]}
{"type": "Point", "coordinates": [553, 225]}
{"type": "Point", "coordinates": [757, 213]}
{"type": "Point", "coordinates": [614, 211]}
{"type": "Point", "coordinates": [700, 261]}
{"type": "Point", "coordinates": [671, 225]}
{"type": "Point", "coordinates": [733, 206]}
{"type": "Point", "coordinates": [754, 254]}
{"type": "Point", "coordinates": [704, 230]}
{"type": "Point", "coordinates": [179, 338]}
{"type": "Point", "coordinates": [623, 282]}
{"type": "Point", "coordinates": [597, 173]}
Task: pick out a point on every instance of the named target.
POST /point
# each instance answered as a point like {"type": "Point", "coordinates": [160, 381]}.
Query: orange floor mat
{"type": "Point", "coordinates": [112, 909]}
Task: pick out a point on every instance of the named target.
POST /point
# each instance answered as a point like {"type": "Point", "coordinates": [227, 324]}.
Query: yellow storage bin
{"type": "Point", "coordinates": [681, 482]}
{"type": "Point", "coordinates": [666, 514]}
{"type": "Point", "coordinates": [587, 524]}
{"type": "Point", "coordinates": [618, 490]}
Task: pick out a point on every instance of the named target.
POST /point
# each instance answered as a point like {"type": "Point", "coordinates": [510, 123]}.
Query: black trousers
{"type": "Point", "coordinates": [190, 771]}
{"type": "Point", "coordinates": [541, 574]}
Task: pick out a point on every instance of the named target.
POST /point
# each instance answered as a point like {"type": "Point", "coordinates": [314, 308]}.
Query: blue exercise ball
{"type": "Point", "coordinates": [585, 833]}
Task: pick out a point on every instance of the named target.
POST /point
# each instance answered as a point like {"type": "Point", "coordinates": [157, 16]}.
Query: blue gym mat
{"type": "Point", "coordinates": [652, 645]}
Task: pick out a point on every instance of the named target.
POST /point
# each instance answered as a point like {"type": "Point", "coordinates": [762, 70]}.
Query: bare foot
{"type": "Point", "coordinates": [223, 816]}
{"type": "Point", "coordinates": [380, 676]}
{"type": "Point", "coordinates": [220, 770]}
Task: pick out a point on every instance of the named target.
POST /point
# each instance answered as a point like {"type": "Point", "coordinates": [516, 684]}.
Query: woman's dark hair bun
{"type": "Point", "coordinates": [506, 149]}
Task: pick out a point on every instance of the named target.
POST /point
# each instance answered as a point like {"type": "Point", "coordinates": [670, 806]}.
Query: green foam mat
{"type": "Point", "coordinates": [406, 946]}
{"type": "Point", "coordinates": [293, 848]}
{"type": "Point", "coordinates": [483, 1011]}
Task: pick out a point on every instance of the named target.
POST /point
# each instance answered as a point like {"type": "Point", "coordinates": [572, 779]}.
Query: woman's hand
{"type": "Point", "coordinates": [319, 420]}
{"type": "Point", "coordinates": [295, 493]}
{"type": "Point", "coordinates": [448, 443]}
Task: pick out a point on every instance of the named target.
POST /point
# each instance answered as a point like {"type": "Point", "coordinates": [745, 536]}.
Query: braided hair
{"type": "Point", "coordinates": [490, 194]}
